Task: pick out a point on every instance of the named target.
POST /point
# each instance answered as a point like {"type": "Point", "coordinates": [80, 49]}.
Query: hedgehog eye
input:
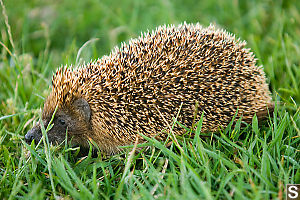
{"type": "Point", "coordinates": [62, 121]}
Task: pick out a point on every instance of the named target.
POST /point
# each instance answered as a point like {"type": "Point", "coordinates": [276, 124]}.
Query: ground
{"type": "Point", "coordinates": [255, 162]}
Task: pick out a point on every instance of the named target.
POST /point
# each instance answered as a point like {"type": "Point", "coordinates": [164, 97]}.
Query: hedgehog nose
{"type": "Point", "coordinates": [29, 136]}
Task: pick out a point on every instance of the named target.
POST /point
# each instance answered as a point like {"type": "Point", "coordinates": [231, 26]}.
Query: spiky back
{"type": "Point", "coordinates": [140, 86]}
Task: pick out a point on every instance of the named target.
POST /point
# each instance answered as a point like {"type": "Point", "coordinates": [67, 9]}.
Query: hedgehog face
{"type": "Point", "coordinates": [73, 120]}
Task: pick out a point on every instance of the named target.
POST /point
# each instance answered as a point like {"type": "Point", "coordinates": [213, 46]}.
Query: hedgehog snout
{"type": "Point", "coordinates": [33, 134]}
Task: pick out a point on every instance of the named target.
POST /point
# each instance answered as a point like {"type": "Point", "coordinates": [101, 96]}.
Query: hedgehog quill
{"type": "Point", "coordinates": [140, 87]}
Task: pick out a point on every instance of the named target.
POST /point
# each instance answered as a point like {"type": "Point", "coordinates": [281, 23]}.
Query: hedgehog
{"type": "Point", "coordinates": [172, 72]}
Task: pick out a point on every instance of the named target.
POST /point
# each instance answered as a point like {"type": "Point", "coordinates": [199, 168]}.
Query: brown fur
{"type": "Point", "coordinates": [140, 87]}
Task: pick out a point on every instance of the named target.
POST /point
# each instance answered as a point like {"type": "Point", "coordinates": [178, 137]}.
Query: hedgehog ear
{"type": "Point", "coordinates": [83, 107]}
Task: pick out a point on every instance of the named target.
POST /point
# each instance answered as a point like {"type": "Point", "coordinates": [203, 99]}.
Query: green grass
{"type": "Point", "coordinates": [250, 163]}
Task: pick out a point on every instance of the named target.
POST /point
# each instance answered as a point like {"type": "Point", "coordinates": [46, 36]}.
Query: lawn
{"type": "Point", "coordinates": [255, 162]}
